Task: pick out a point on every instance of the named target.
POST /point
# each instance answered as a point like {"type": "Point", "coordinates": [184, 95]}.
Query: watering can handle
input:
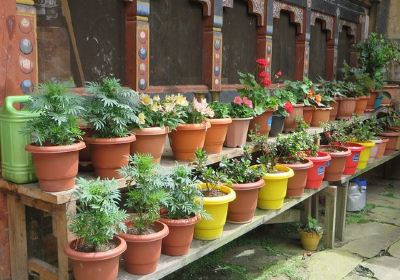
{"type": "Point", "coordinates": [11, 100]}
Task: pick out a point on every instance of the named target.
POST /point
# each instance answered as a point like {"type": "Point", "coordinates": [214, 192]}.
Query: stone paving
{"type": "Point", "coordinates": [371, 249]}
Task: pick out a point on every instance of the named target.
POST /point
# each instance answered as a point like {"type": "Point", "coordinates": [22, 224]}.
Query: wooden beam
{"type": "Point", "coordinates": [341, 210]}
{"type": "Point", "coordinates": [43, 269]}
{"type": "Point", "coordinates": [290, 216]}
{"type": "Point", "coordinates": [330, 216]}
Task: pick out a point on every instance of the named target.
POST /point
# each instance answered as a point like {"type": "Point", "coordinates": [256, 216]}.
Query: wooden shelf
{"type": "Point", "coordinates": [200, 248]}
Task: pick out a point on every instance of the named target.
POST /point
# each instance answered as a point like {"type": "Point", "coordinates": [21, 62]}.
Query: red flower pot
{"type": "Point", "coordinates": [316, 173]}
{"type": "Point", "coordinates": [352, 161]}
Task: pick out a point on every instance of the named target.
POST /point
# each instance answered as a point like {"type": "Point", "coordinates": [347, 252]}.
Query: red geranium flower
{"type": "Point", "coordinates": [262, 62]}
{"type": "Point", "coordinates": [278, 74]}
{"type": "Point", "coordinates": [238, 100]}
{"type": "Point", "coordinates": [266, 82]}
{"type": "Point", "coordinates": [247, 102]}
{"type": "Point", "coordinates": [288, 107]}
{"type": "Point", "coordinates": [263, 75]}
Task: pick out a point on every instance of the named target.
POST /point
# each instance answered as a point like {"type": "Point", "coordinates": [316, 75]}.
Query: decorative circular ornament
{"type": "Point", "coordinates": [269, 49]}
{"type": "Point", "coordinates": [142, 53]}
{"type": "Point", "coordinates": [25, 46]}
{"type": "Point", "coordinates": [142, 84]}
{"type": "Point", "coordinates": [216, 71]}
{"type": "Point", "coordinates": [217, 44]}
{"type": "Point", "coordinates": [26, 86]}
{"type": "Point", "coordinates": [142, 37]}
{"type": "Point", "coordinates": [216, 81]}
{"type": "Point", "coordinates": [217, 56]}
{"type": "Point", "coordinates": [25, 25]}
{"type": "Point", "coordinates": [25, 64]}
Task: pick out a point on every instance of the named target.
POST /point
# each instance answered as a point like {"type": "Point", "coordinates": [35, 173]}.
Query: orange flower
{"type": "Point", "coordinates": [318, 98]}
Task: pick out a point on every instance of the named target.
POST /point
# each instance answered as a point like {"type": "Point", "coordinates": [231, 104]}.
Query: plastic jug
{"type": "Point", "coordinates": [357, 195]}
{"type": "Point", "coordinates": [17, 164]}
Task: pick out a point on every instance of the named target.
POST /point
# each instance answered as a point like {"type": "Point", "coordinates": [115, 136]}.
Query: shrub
{"type": "Point", "coordinates": [335, 132]}
{"type": "Point", "coordinates": [291, 148]}
{"type": "Point", "coordinates": [312, 226]}
{"type": "Point", "coordinates": [267, 151]}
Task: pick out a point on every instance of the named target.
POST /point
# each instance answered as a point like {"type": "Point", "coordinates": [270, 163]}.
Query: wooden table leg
{"type": "Point", "coordinates": [17, 238]}
{"type": "Point", "coordinates": [315, 206]}
{"type": "Point", "coordinates": [341, 210]}
{"type": "Point", "coordinates": [330, 216]}
{"type": "Point", "coordinates": [306, 210]}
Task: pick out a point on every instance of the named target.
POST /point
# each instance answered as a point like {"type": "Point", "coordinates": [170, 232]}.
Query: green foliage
{"type": "Point", "coordinates": [259, 95]}
{"type": "Point", "coordinates": [57, 109]}
{"type": "Point", "coordinates": [361, 130]}
{"type": "Point", "coordinates": [300, 89]}
{"type": "Point", "coordinates": [185, 198]}
{"type": "Point", "coordinates": [335, 132]}
{"type": "Point", "coordinates": [292, 148]}
{"type": "Point", "coordinates": [193, 113]}
{"type": "Point", "coordinates": [267, 150]}
{"type": "Point", "coordinates": [331, 89]}
{"type": "Point", "coordinates": [146, 191]}
{"type": "Point", "coordinates": [111, 109]}
{"type": "Point", "coordinates": [239, 170]}
{"type": "Point", "coordinates": [98, 218]}
{"type": "Point", "coordinates": [312, 226]}
{"type": "Point", "coordinates": [360, 82]}
{"type": "Point", "coordinates": [360, 217]}
{"type": "Point", "coordinates": [388, 117]}
{"type": "Point", "coordinates": [282, 96]}
{"type": "Point", "coordinates": [240, 111]}
{"type": "Point", "coordinates": [221, 110]}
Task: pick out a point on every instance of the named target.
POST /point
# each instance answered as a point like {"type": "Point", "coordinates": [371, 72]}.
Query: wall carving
{"type": "Point", "coordinates": [255, 7]}
{"type": "Point", "coordinates": [206, 7]}
{"type": "Point", "coordinates": [327, 20]}
{"type": "Point", "coordinates": [227, 3]}
{"type": "Point", "coordinates": [296, 14]}
{"type": "Point", "coordinates": [351, 25]}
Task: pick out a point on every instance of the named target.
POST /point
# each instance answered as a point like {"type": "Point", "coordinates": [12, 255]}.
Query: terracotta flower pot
{"type": "Point", "coordinates": [56, 166]}
{"type": "Point", "coordinates": [109, 155]}
{"type": "Point", "coordinates": [186, 139]}
{"type": "Point", "coordinates": [96, 265]}
{"type": "Point", "coordinates": [216, 135]}
{"type": "Point", "coordinates": [297, 183]}
{"type": "Point", "coordinates": [144, 251]}
{"type": "Point", "coordinates": [336, 165]}
{"type": "Point", "coordinates": [242, 209]}
{"type": "Point", "coordinates": [316, 173]}
{"type": "Point", "coordinates": [320, 115]}
{"type": "Point", "coordinates": [372, 98]}
{"type": "Point", "coordinates": [150, 141]}
{"type": "Point", "coordinates": [237, 132]}
{"type": "Point", "coordinates": [392, 143]}
{"type": "Point", "coordinates": [374, 150]}
{"type": "Point", "coordinates": [361, 105]}
{"type": "Point", "coordinates": [262, 122]}
{"type": "Point", "coordinates": [347, 107]}
{"type": "Point", "coordinates": [290, 121]}
{"type": "Point", "coordinates": [353, 160]}
{"type": "Point", "coordinates": [334, 111]}
{"type": "Point", "coordinates": [308, 114]}
{"type": "Point", "coordinates": [381, 148]}
{"type": "Point", "coordinates": [277, 125]}
{"type": "Point", "coordinates": [393, 90]}
{"type": "Point", "coordinates": [309, 240]}
{"type": "Point", "coordinates": [177, 242]}
{"type": "Point", "coordinates": [84, 154]}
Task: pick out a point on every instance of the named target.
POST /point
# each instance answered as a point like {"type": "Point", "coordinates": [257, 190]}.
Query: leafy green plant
{"type": "Point", "coordinates": [361, 130]}
{"type": "Point", "coordinates": [98, 218]}
{"type": "Point", "coordinates": [57, 121]}
{"type": "Point", "coordinates": [335, 132]}
{"type": "Point", "coordinates": [146, 192]}
{"type": "Point", "coordinates": [221, 110]}
{"type": "Point", "coordinates": [292, 148]}
{"type": "Point", "coordinates": [266, 150]}
{"type": "Point", "coordinates": [241, 108]}
{"type": "Point", "coordinates": [240, 170]}
{"type": "Point", "coordinates": [361, 82]}
{"type": "Point", "coordinates": [301, 90]}
{"type": "Point", "coordinates": [184, 196]}
{"type": "Point", "coordinates": [283, 97]}
{"type": "Point", "coordinates": [312, 226]}
{"type": "Point", "coordinates": [388, 117]}
{"type": "Point", "coordinates": [111, 109]}
{"type": "Point", "coordinates": [329, 90]}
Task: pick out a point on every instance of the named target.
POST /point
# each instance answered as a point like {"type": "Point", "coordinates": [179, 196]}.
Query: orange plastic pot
{"type": "Point", "coordinates": [186, 139]}
{"type": "Point", "coordinates": [337, 164]}
{"type": "Point", "coordinates": [353, 159]}
{"type": "Point", "coordinates": [180, 237]}
{"type": "Point", "coordinates": [109, 155]}
{"type": "Point", "coordinates": [56, 166]}
{"type": "Point", "coordinates": [144, 251]}
{"type": "Point", "coordinates": [308, 114]}
{"type": "Point", "coordinates": [216, 135]}
{"type": "Point", "coordinates": [371, 100]}
{"type": "Point", "coordinates": [242, 209]}
{"type": "Point", "coordinates": [361, 105]}
{"type": "Point", "coordinates": [262, 122]}
{"type": "Point", "coordinates": [96, 265]}
{"type": "Point", "coordinates": [391, 145]}
{"type": "Point", "coordinates": [347, 107]}
{"type": "Point", "coordinates": [334, 111]}
{"type": "Point", "coordinates": [316, 174]}
{"type": "Point", "coordinates": [393, 90]}
{"type": "Point", "coordinates": [290, 120]}
{"type": "Point", "coordinates": [237, 132]}
{"type": "Point", "coordinates": [150, 141]}
{"type": "Point", "coordinates": [320, 116]}
{"type": "Point", "coordinates": [297, 183]}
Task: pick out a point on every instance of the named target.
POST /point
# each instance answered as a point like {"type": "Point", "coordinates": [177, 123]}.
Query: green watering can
{"type": "Point", "coordinates": [16, 163]}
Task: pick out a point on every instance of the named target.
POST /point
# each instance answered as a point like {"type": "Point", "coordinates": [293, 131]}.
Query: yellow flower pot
{"type": "Point", "coordinates": [364, 155]}
{"type": "Point", "coordinates": [272, 195]}
{"type": "Point", "coordinates": [217, 208]}
{"type": "Point", "coordinates": [309, 240]}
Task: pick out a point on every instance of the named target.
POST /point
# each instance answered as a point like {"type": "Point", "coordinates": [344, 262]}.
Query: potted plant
{"type": "Point", "coordinates": [310, 234]}
{"type": "Point", "coordinates": [348, 103]}
{"type": "Point", "coordinates": [362, 134]}
{"type": "Point", "coordinates": [216, 134]}
{"type": "Point", "coordinates": [216, 199]}
{"type": "Point", "coordinates": [276, 176]}
{"type": "Point", "coordinates": [110, 110]}
{"type": "Point", "coordinates": [146, 194]}
{"type": "Point", "coordinates": [96, 251]}
{"type": "Point", "coordinates": [335, 136]}
{"type": "Point", "coordinates": [333, 91]}
{"type": "Point", "coordinates": [241, 111]}
{"type": "Point", "coordinates": [285, 100]}
{"type": "Point", "coordinates": [155, 120]}
{"type": "Point", "coordinates": [378, 150]}
{"type": "Point", "coordinates": [256, 89]}
{"type": "Point", "coordinates": [246, 182]}
{"type": "Point", "coordinates": [183, 210]}
{"type": "Point", "coordinates": [55, 136]}
{"type": "Point", "coordinates": [389, 120]}
{"type": "Point", "coordinates": [190, 134]}
{"type": "Point", "coordinates": [320, 104]}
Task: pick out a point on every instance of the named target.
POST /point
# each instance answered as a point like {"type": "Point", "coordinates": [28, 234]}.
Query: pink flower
{"type": "Point", "coordinates": [247, 102]}
{"type": "Point", "coordinates": [279, 74]}
{"type": "Point", "coordinates": [238, 100]}
{"type": "Point", "coordinates": [262, 62]}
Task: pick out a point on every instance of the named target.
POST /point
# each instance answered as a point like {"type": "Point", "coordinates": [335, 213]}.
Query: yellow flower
{"type": "Point", "coordinates": [142, 118]}
{"type": "Point", "coordinates": [155, 107]}
{"type": "Point", "coordinates": [146, 99]}
{"type": "Point", "coordinates": [156, 98]}
{"type": "Point", "coordinates": [181, 100]}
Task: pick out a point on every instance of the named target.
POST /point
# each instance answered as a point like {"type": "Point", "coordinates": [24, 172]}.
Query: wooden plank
{"type": "Point", "coordinates": [44, 270]}
{"type": "Point", "coordinates": [17, 238]}
{"type": "Point", "coordinates": [306, 210]}
{"type": "Point", "coordinates": [200, 248]}
{"type": "Point", "coordinates": [341, 203]}
{"type": "Point", "coordinates": [330, 216]}
{"type": "Point", "coordinates": [290, 216]}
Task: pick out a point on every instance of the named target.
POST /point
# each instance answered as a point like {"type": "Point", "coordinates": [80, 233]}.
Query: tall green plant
{"type": "Point", "coordinates": [57, 121]}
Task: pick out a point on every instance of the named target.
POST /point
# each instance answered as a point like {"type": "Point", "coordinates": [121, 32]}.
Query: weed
{"type": "Point", "coordinates": [360, 217]}
{"type": "Point", "coordinates": [390, 194]}
{"type": "Point", "coordinates": [289, 268]}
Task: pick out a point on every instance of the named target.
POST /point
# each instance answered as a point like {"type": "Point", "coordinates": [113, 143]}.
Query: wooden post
{"type": "Point", "coordinates": [331, 53]}
{"type": "Point", "coordinates": [341, 210]}
{"type": "Point", "coordinates": [306, 210]}
{"type": "Point", "coordinates": [315, 206]}
{"type": "Point", "coordinates": [264, 36]}
{"type": "Point", "coordinates": [306, 49]}
{"type": "Point", "coordinates": [330, 216]}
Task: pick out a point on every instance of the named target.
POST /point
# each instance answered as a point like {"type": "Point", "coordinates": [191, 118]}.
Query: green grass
{"type": "Point", "coordinates": [289, 268]}
{"type": "Point", "coordinates": [360, 217]}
